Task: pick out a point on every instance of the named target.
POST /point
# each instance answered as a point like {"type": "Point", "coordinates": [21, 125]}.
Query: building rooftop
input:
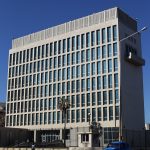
{"type": "Point", "coordinates": [96, 18]}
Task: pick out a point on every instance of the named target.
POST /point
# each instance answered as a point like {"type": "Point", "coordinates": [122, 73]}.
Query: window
{"type": "Point", "coordinates": [77, 115]}
{"type": "Point", "coordinates": [68, 44]}
{"type": "Point", "coordinates": [73, 58]}
{"type": "Point", "coordinates": [105, 113]}
{"type": "Point", "coordinates": [110, 65]}
{"type": "Point", "coordinates": [68, 87]}
{"type": "Point", "coordinates": [98, 67]}
{"type": "Point", "coordinates": [93, 54]}
{"type": "Point", "coordinates": [103, 35]}
{"type": "Point", "coordinates": [68, 73]}
{"type": "Point", "coordinates": [64, 45]}
{"type": "Point", "coordinates": [83, 70]}
{"type": "Point", "coordinates": [88, 69]}
{"type": "Point", "coordinates": [110, 81]}
{"type": "Point", "coordinates": [63, 73]}
{"type": "Point", "coordinates": [115, 64]}
{"type": "Point", "coordinates": [98, 53]}
{"type": "Point", "coordinates": [87, 39]}
{"type": "Point", "coordinates": [92, 38]}
{"type": "Point", "coordinates": [117, 112]}
{"type": "Point", "coordinates": [99, 114]}
{"type": "Point", "coordinates": [63, 60]}
{"type": "Point", "coordinates": [108, 34]}
{"type": "Point", "coordinates": [73, 86]}
{"type": "Point", "coordinates": [110, 113]}
{"type": "Point", "coordinates": [88, 58]}
{"type": "Point", "coordinates": [73, 101]}
{"type": "Point", "coordinates": [82, 41]}
{"type": "Point", "coordinates": [116, 96]}
{"type": "Point", "coordinates": [83, 115]}
{"type": "Point", "coordinates": [93, 83]}
{"type": "Point", "coordinates": [98, 82]}
{"type": "Point", "coordinates": [114, 33]}
{"type": "Point", "coordinates": [93, 115]}
{"type": "Point", "coordinates": [78, 42]}
{"type": "Point", "coordinates": [104, 97]}
{"type": "Point", "coordinates": [82, 56]}
{"type": "Point", "coordinates": [104, 82]}
{"type": "Point", "coordinates": [115, 52]}
{"type": "Point", "coordinates": [98, 98]}
{"type": "Point", "coordinates": [93, 68]}
{"type": "Point", "coordinates": [77, 85]}
{"type": "Point", "coordinates": [73, 116]}
{"type": "Point", "coordinates": [88, 84]}
{"type": "Point", "coordinates": [109, 50]}
{"type": "Point", "coordinates": [83, 100]}
{"type": "Point", "coordinates": [59, 46]}
{"type": "Point", "coordinates": [77, 57]}
{"type": "Point", "coordinates": [98, 37]}
{"type": "Point", "coordinates": [88, 99]}
{"type": "Point", "coordinates": [83, 85]}
{"type": "Point", "coordinates": [104, 66]}
{"type": "Point", "coordinates": [78, 71]}
{"type": "Point", "coordinates": [116, 80]}
{"type": "Point", "coordinates": [68, 59]}
{"type": "Point", "coordinates": [110, 97]}
{"type": "Point", "coordinates": [93, 99]}
{"type": "Point", "coordinates": [104, 52]}
{"type": "Point", "coordinates": [63, 88]}
{"type": "Point", "coordinates": [84, 138]}
{"type": "Point", "coordinates": [73, 72]}
{"type": "Point", "coordinates": [77, 100]}
{"type": "Point", "coordinates": [73, 43]}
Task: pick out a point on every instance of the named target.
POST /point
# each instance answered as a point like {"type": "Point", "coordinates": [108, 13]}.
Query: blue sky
{"type": "Point", "coordinates": [21, 17]}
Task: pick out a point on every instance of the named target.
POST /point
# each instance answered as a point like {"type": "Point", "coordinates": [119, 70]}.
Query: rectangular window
{"type": "Point", "coordinates": [111, 113]}
{"type": "Point", "coordinates": [98, 82]}
{"type": "Point", "coordinates": [115, 51]}
{"type": "Point", "coordinates": [84, 138]}
{"type": "Point", "coordinates": [82, 100]}
{"type": "Point", "coordinates": [83, 85]}
{"type": "Point", "coordinates": [82, 40]}
{"type": "Point", "coordinates": [116, 80]}
{"type": "Point", "coordinates": [99, 114]}
{"type": "Point", "coordinates": [93, 83]}
{"type": "Point", "coordinates": [78, 41]}
{"type": "Point", "coordinates": [110, 81]}
{"type": "Point", "coordinates": [82, 56]}
{"type": "Point", "coordinates": [115, 64]}
{"type": "Point", "coordinates": [88, 69]}
{"type": "Point", "coordinates": [98, 37]}
{"type": "Point", "coordinates": [93, 99]}
{"type": "Point", "coordinates": [104, 97]}
{"type": "Point", "coordinates": [73, 116]}
{"type": "Point", "coordinates": [68, 73]}
{"type": "Point", "coordinates": [110, 65]}
{"type": "Point", "coordinates": [92, 38]}
{"type": "Point", "coordinates": [116, 96]}
{"type": "Point", "coordinates": [73, 72]}
{"type": "Point", "coordinates": [77, 57]}
{"type": "Point", "coordinates": [114, 33]}
{"type": "Point", "coordinates": [110, 97]}
{"type": "Point", "coordinates": [78, 71]}
{"type": "Point", "coordinates": [87, 39]}
{"type": "Point", "coordinates": [104, 66]}
{"type": "Point", "coordinates": [93, 115]}
{"type": "Point", "coordinates": [104, 82]}
{"type": "Point", "coordinates": [93, 68]}
{"type": "Point", "coordinates": [83, 115]}
{"type": "Point", "coordinates": [105, 113]}
{"type": "Point", "coordinates": [98, 98]}
{"type": "Point", "coordinates": [68, 59]}
{"type": "Point", "coordinates": [88, 84]}
{"type": "Point", "coordinates": [104, 52]}
{"type": "Point", "coordinates": [77, 85]}
{"type": "Point", "coordinates": [109, 50]}
{"type": "Point", "coordinates": [103, 35]}
{"type": "Point", "coordinates": [73, 101]}
{"type": "Point", "coordinates": [98, 53]}
{"type": "Point", "coordinates": [64, 45]}
{"type": "Point", "coordinates": [73, 86]}
{"type": "Point", "coordinates": [88, 57]}
{"type": "Point", "coordinates": [108, 34]}
{"type": "Point", "coordinates": [73, 58]}
{"type": "Point", "coordinates": [68, 44]}
{"type": "Point", "coordinates": [83, 70]}
{"type": "Point", "coordinates": [55, 48]}
{"type": "Point", "coordinates": [59, 46]}
{"type": "Point", "coordinates": [117, 112]}
{"type": "Point", "coordinates": [73, 43]}
{"type": "Point", "coordinates": [88, 99]}
{"type": "Point", "coordinates": [93, 54]}
{"type": "Point", "coordinates": [77, 100]}
{"type": "Point", "coordinates": [98, 68]}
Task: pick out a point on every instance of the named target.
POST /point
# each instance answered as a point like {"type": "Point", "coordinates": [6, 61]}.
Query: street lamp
{"type": "Point", "coordinates": [120, 42]}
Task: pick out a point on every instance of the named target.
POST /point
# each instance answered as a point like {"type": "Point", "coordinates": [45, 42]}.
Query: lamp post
{"type": "Point", "coordinates": [120, 44]}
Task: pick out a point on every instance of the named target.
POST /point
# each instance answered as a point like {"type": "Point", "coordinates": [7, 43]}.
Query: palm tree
{"type": "Point", "coordinates": [63, 105]}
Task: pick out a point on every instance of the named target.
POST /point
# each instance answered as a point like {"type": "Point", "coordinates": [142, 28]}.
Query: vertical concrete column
{"type": "Point", "coordinates": [34, 136]}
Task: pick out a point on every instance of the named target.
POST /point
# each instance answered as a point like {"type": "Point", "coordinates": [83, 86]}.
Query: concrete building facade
{"type": "Point", "coordinates": [85, 62]}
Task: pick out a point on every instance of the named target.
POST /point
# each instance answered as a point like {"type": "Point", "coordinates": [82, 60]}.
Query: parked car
{"type": "Point", "coordinates": [118, 145]}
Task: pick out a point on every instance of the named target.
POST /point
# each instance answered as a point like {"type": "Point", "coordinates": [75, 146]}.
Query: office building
{"type": "Point", "coordinates": [85, 62]}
